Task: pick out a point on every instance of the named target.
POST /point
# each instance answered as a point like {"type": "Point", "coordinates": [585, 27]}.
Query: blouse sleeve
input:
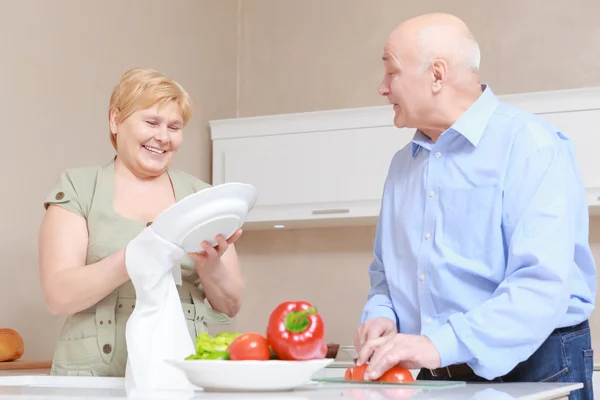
{"type": "Point", "coordinates": [66, 194]}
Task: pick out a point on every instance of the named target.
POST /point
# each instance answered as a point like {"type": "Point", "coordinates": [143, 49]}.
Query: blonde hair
{"type": "Point", "coordinates": [140, 88]}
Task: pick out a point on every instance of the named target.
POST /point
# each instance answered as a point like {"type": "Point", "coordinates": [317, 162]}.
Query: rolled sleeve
{"type": "Point", "coordinates": [65, 194]}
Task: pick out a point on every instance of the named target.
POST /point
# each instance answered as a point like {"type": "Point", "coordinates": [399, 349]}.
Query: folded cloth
{"type": "Point", "coordinates": [157, 329]}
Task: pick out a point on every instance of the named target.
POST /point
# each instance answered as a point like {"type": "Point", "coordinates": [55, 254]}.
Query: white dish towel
{"type": "Point", "coordinates": [157, 329]}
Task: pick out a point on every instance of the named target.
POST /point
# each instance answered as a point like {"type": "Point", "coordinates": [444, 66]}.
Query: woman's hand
{"type": "Point", "coordinates": [219, 274]}
{"type": "Point", "coordinates": [208, 261]}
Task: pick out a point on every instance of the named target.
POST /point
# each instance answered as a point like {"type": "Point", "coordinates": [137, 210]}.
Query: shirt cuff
{"type": "Point", "coordinates": [380, 311]}
{"type": "Point", "coordinates": [451, 350]}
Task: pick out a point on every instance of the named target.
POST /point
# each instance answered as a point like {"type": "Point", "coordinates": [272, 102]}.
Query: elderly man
{"type": "Point", "coordinates": [482, 260]}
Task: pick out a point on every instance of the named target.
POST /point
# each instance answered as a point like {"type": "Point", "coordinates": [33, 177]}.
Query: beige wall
{"type": "Point", "coordinates": [62, 60]}
{"type": "Point", "coordinates": [295, 56]}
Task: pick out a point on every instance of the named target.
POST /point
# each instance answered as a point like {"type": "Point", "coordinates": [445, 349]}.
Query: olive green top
{"type": "Point", "coordinates": [92, 342]}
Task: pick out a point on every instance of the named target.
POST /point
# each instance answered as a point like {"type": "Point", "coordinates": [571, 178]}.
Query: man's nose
{"type": "Point", "coordinates": [384, 89]}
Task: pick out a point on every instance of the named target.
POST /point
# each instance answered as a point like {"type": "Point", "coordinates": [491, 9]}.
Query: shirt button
{"type": "Point", "coordinates": [427, 320]}
{"type": "Point", "coordinates": [431, 193]}
{"type": "Point", "coordinates": [438, 154]}
{"type": "Point", "coordinates": [427, 236]}
{"type": "Point", "coordinates": [422, 277]}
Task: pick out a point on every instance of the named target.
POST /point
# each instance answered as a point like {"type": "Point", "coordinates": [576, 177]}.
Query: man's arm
{"type": "Point", "coordinates": [540, 195]}
{"type": "Point", "coordinates": [379, 302]}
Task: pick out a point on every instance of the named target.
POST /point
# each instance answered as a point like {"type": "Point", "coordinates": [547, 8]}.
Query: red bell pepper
{"type": "Point", "coordinates": [296, 331]}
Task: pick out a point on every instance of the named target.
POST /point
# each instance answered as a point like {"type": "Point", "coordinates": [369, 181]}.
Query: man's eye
{"type": "Point", "coordinates": [152, 123]}
{"type": "Point", "coordinates": [174, 128]}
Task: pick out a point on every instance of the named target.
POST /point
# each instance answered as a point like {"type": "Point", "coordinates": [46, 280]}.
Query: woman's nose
{"type": "Point", "coordinates": [163, 134]}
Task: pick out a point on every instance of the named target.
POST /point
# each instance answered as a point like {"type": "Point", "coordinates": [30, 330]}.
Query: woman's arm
{"type": "Point", "coordinates": [219, 273]}
{"type": "Point", "coordinates": [68, 284]}
{"type": "Point", "coordinates": [223, 285]}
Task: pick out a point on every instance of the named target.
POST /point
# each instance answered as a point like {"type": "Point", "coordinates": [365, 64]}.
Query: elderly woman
{"type": "Point", "coordinates": [94, 212]}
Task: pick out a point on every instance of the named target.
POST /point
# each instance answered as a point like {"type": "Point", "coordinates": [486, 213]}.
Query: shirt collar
{"type": "Point", "coordinates": [471, 123]}
{"type": "Point", "coordinates": [421, 140]}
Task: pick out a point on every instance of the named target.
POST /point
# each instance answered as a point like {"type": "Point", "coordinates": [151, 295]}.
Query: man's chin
{"type": "Point", "coordinates": [402, 123]}
{"type": "Point", "coordinates": [399, 122]}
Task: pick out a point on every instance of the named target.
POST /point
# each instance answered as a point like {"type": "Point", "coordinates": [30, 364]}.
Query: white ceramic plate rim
{"type": "Point", "coordinates": [247, 363]}
{"type": "Point", "coordinates": [209, 197]}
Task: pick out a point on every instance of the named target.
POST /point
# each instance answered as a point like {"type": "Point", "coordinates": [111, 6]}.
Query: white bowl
{"type": "Point", "coordinates": [271, 375]}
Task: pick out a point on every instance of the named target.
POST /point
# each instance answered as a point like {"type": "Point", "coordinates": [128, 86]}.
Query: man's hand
{"type": "Point", "coordinates": [409, 351]}
{"type": "Point", "coordinates": [373, 329]}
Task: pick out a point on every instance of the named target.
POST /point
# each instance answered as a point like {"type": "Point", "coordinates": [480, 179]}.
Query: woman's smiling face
{"type": "Point", "coordinates": [148, 138]}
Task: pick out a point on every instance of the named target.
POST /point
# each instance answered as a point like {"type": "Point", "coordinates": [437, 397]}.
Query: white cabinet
{"type": "Point", "coordinates": [312, 176]}
{"type": "Point", "coordinates": [328, 168]}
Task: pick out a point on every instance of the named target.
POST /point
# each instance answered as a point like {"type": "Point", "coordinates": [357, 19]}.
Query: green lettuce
{"type": "Point", "coordinates": [212, 347]}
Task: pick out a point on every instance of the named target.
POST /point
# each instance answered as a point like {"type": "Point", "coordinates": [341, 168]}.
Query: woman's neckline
{"type": "Point", "coordinates": [111, 187]}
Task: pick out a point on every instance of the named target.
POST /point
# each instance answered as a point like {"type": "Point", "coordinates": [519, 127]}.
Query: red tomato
{"type": "Point", "coordinates": [348, 374]}
{"type": "Point", "coordinates": [395, 374]}
{"type": "Point", "coordinates": [356, 373]}
{"type": "Point", "coordinates": [249, 346]}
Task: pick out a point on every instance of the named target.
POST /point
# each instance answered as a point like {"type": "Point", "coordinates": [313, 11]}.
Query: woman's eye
{"type": "Point", "coordinates": [174, 128]}
{"type": "Point", "coordinates": [152, 123]}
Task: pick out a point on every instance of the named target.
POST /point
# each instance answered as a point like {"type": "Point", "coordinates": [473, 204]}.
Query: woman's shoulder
{"type": "Point", "coordinates": [75, 188]}
{"type": "Point", "coordinates": [82, 179]}
{"type": "Point", "coordinates": [83, 175]}
{"type": "Point", "coordinates": [191, 183]}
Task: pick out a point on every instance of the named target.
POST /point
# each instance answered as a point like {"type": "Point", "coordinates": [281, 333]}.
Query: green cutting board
{"type": "Point", "coordinates": [415, 384]}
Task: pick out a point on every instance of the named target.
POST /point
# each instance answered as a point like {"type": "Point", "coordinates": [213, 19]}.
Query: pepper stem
{"type": "Point", "coordinates": [297, 321]}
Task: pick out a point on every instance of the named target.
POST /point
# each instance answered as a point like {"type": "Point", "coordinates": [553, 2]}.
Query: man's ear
{"type": "Point", "coordinates": [439, 74]}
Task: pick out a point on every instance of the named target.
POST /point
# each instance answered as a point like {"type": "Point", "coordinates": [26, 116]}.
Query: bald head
{"type": "Point", "coordinates": [431, 77]}
{"type": "Point", "coordinates": [428, 37]}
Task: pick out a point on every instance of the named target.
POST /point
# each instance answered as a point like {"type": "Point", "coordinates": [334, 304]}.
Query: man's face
{"type": "Point", "coordinates": [406, 86]}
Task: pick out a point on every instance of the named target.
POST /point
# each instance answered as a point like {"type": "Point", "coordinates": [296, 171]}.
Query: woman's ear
{"type": "Point", "coordinates": [113, 120]}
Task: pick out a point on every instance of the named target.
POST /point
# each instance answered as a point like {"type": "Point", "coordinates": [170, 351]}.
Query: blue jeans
{"type": "Point", "coordinates": [566, 356]}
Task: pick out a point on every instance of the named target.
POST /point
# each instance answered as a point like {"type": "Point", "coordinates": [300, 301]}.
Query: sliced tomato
{"type": "Point", "coordinates": [355, 373]}
{"type": "Point", "coordinates": [395, 374]}
{"type": "Point", "coordinates": [348, 374]}
{"type": "Point", "coordinates": [249, 346]}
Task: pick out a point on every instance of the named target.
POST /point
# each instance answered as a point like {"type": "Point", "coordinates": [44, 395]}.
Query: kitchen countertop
{"type": "Point", "coordinates": [51, 387]}
{"type": "Point", "coordinates": [25, 364]}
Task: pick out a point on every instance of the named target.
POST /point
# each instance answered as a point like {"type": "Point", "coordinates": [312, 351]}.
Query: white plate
{"type": "Point", "coordinates": [199, 217]}
{"type": "Point", "coordinates": [233, 376]}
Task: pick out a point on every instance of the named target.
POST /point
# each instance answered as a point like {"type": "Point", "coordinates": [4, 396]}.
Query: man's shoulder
{"type": "Point", "coordinates": [530, 131]}
{"type": "Point", "coordinates": [402, 155]}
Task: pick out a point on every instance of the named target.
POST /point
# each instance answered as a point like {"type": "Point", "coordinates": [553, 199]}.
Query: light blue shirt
{"type": "Point", "coordinates": [482, 239]}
